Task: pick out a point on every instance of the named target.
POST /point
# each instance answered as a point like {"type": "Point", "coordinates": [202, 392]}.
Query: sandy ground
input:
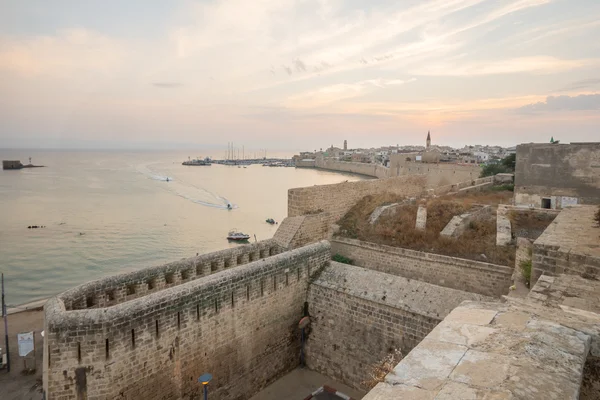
{"type": "Point", "coordinates": [16, 385]}
{"type": "Point", "coordinates": [299, 383]}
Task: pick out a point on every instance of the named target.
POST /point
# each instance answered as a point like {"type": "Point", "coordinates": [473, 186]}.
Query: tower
{"type": "Point", "coordinates": [428, 140]}
{"type": "Point", "coordinates": [345, 145]}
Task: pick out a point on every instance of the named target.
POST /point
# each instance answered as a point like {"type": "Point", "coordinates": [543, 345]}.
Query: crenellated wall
{"type": "Point", "coordinates": [451, 272]}
{"type": "Point", "coordinates": [119, 288]}
{"type": "Point", "coordinates": [240, 324]}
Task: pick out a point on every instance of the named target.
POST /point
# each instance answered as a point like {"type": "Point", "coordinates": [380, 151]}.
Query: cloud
{"type": "Point", "coordinates": [583, 102]}
{"type": "Point", "coordinates": [167, 85]}
{"type": "Point", "coordinates": [67, 52]}
{"type": "Point", "coordinates": [581, 84]}
{"type": "Point", "coordinates": [300, 66]}
{"type": "Point", "coordinates": [341, 91]}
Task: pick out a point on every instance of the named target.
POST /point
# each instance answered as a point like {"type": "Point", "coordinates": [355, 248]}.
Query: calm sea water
{"type": "Point", "coordinates": [112, 212]}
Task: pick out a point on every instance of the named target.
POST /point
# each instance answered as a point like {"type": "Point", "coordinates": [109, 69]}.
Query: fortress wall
{"type": "Point", "coordinates": [451, 272]}
{"type": "Point", "coordinates": [337, 199]}
{"type": "Point", "coordinates": [239, 324]}
{"type": "Point", "coordinates": [359, 316]}
{"type": "Point", "coordinates": [374, 170]}
{"type": "Point", "coordinates": [569, 245]}
{"type": "Point", "coordinates": [119, 288]}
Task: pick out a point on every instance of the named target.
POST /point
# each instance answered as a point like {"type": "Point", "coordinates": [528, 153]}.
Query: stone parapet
{"type": "Point", "coordinates": [451, 272]}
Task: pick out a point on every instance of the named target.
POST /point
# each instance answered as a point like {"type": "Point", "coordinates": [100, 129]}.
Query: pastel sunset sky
{"type": "Point", "coordinates": [297, 74]}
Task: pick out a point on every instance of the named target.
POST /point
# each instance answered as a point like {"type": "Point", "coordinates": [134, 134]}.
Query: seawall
{"type": "Point", "coordinates": [239, 324]}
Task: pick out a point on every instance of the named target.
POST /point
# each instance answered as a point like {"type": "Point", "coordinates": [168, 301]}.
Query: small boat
{"type": "Point", "coordinates": [237, 236]}
{"type": "Point", "coordinates": [229, 206]}
{"type": "Point", "coordinates": [271, 221]}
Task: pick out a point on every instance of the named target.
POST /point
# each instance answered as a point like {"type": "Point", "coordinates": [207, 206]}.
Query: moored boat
{"type": "Point", "coordinates": [198, 162]}
{"type": "Point", "coordinates": [237, 236]}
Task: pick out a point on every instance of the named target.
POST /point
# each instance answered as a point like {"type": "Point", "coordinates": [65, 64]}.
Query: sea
{"type": "Point", "coordinates": [110, 212]}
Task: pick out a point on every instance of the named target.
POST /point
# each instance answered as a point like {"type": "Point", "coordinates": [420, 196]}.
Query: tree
{"type": "Point", "coordinates": [507, 165]}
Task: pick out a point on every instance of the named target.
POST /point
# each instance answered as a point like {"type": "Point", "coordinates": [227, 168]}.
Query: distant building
{"type": "Point", "coordinates": [428, 140]}
{"type": "Point", "coordinates": [345, 145]}
{"type": "Point", "coordinates": [557, 175]}
{"type": "Point", "coordinates": [9, 164]}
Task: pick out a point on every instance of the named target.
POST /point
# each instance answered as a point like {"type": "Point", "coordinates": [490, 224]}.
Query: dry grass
{"type": "Point", "coordinates": [378, 371]}
{"type": "Point", "coordinates": [529, 224]}
{"type": "Point", "coordinates": [398, 229]}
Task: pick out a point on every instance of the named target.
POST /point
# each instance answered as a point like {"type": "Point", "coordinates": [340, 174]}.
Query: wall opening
{"type": "Point", "coordinates": [252, 257]}
{"type": "Point", "coordinates": [227, 263]}
{"type": "Point", "coordinates": [216, 305]}
{"type": "Point", "coordinates": [156, 329]}
{"type": "Point", "coordinates": [78, 352]}
{"type": "Point", "coordinates": [106, 350]}
{"type": "Point", "coordinates": [263, 253]}
{"type": "Point", "coordinates": [274, 283]}
{"type": "Point", "coordinates": [185, 274]}
{"type": "Point", "coordinates": [299, 271]}
{"type": "Point", "coordinates": [546, 203]}
{"type": "Point", "coordinates": [151, 284]}
{"type": "Point", "coordinates": [130, 289]}
{"type": "Point", "coordinates": [247, 292]}
{"type": "Point", "coordinates": [89, 301]}
{"type": "Point", "coordinates": [110, 295]}
{"type": "Point", "coordinates": [199, 269]}
{"type": "Point", "coordinates": [133, 338]}
{"type": "Point", "coordinates": [169, 278]}
{"type": "Point", "coordinates": [178, 320]}
{"type": "Point", "coordinates": [213, 266]}
{"type": "Point", "coordinates": [240, 259]}
{"type": "Point", "coordinates": [287, 279]}
{"type": "Point", "coordinates": [262, 287]}
{"type": "Point", "coordinates": [198, 312]}
{"type": "Point", "coordinates": [232, 299]}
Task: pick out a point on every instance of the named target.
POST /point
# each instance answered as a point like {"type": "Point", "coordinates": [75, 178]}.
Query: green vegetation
{"type": "Point", "coordinates": [507, 165]}
{"type": "Point", "coordinates": [526, 271]}
{"type": "Point", "coordinates": [501, 188]}
{"type": "Point", "coordinates": [341, 259]}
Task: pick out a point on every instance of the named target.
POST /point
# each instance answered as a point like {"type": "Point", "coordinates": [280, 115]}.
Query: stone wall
{"type": "Point", "coordinates": [337, 199]}
{"type": "Point", "coordinates": [515, 350]}
{"type": "Point", "coordinates": [565, 174]}
{"type": "Point", "coordinates": [569, 245]}
{"type": "Point", "coordinates": [457, 273]}
{"type": "Point", "coordinates": [439, 174]}
{"type": "Point", "coordinates": [119, 288]}
{"type": "Point", "coordinates": [374, 170]}
{"type": "Point", "coordinates": [240, 324]}
{"type": "Point", "coordinates": [358, 316]}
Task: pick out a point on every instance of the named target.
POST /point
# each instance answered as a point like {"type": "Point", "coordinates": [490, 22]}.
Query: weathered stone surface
{"type": "Point", "coordinates": [421, 223]}
{"type": "Point", "coordinates": [503, 227]}
{"type": "Point", "coordinates": [456, 273]}
{"type": "Point", "coordinates": [459, 223]}
{"type": "Point", "coordinates": [569, 245]}
{"type": "Point", "coordinates": [387, 392]}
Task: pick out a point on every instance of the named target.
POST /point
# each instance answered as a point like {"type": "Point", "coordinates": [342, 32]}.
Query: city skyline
{"type": "Point", "coordinates": [297, 75]}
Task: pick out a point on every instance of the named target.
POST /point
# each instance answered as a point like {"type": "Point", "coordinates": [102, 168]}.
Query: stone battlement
{"type": "Point", "coordinates": [116, 289]}
{"type": "Point", "coordinates": [155, 346]}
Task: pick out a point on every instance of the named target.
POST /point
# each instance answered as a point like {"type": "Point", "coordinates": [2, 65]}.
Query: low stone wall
{"type": "Point", "coordinates": [457, 273]}
{"type": "Point", "coordinates": [295, 232]}
{"type": "Point", "coordinates": [569, 245]}
{"type": "Point", "coordinates": [459, 223]}
{"type": "Point", "coordinates": [240, 324]}
{"type": "Point", "coordinates": [116, 289]}
{"type": "Point", "coordinates": [358, 316]}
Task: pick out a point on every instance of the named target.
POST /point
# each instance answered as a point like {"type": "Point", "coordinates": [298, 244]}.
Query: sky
{"type": "Point", "coordinates": [297, 74]}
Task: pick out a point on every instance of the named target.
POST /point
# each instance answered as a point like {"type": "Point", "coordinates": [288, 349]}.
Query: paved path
{"type": "Point", "coordinates": [299, 383]}
{"type": "Point", "coordinates": [15, 385]}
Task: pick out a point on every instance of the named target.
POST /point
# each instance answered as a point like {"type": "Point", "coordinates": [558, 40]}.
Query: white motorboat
{"type": "Point", "coordinates": [239, 236]}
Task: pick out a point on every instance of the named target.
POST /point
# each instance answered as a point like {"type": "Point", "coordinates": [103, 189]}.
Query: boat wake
{"type": "Point", "coordinates": [188, 190]}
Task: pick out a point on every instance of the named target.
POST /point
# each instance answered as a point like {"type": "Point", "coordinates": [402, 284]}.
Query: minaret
{"type": "Point", "coordinates": [428, 139]}
{"type": "Point", "coordinates": [345, 145]}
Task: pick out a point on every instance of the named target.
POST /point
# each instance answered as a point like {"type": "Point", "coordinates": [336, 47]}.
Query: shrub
{"type": "Point", "coordinates": [526, 271]}
{"type": "Point", "coordinates": [341, 259]}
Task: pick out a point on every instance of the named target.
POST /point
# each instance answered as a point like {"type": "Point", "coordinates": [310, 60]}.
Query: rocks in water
{"type": "Point", "coordinates": [36, 226]}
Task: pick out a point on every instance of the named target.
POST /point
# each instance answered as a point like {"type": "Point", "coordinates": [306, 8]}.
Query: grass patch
{"type": "Point", "coordinates": [506, 187]}
{"type": "Point", "coordinates": [529, 224]}
{"type": "Point", "coordinates": [526, 271]}
{"type": "Point", "coordinates": [397, 227]}
{"type": "Point", "coordinates": [341, 259]}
